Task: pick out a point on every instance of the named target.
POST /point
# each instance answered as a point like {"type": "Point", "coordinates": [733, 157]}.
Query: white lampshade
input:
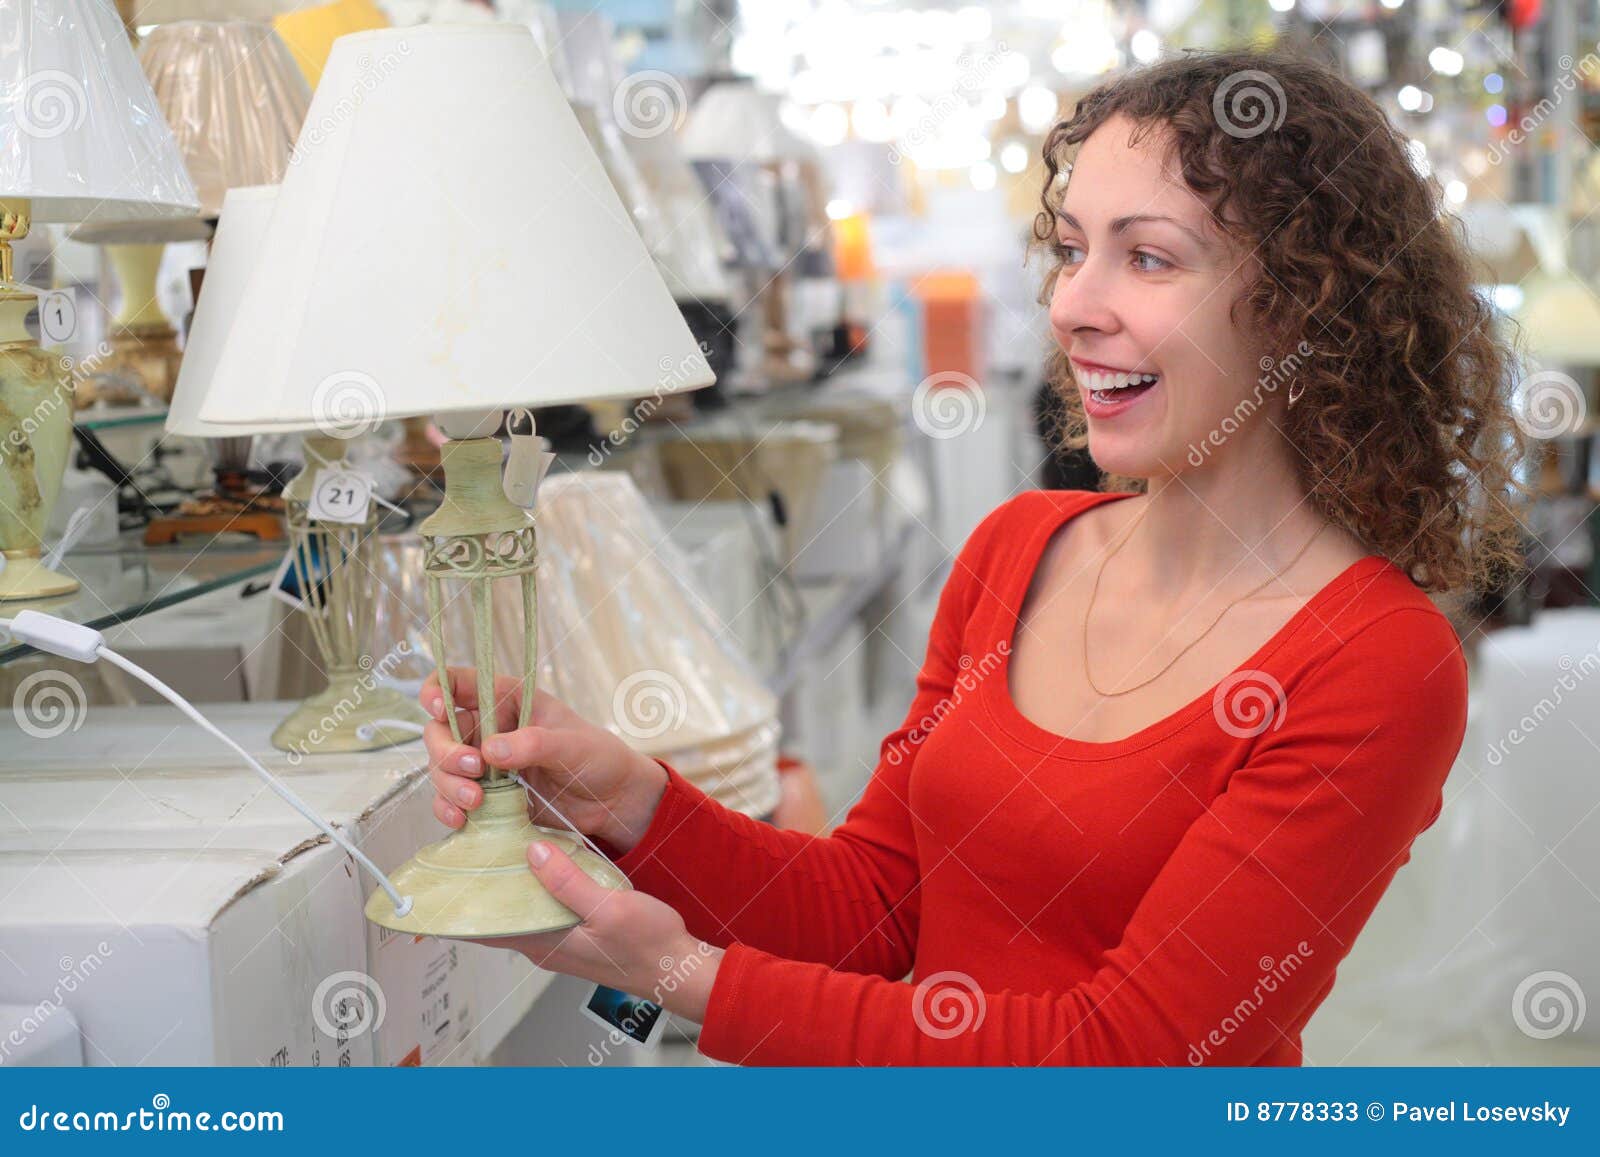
{"type": "Point", "coordinates": [734, 120]}
{"type": "Point", "coordinates": [448, 237]}
{"type": "Point", "coordinates": [81, 135]}
{"type": "Point", "coordinates": [241, 233]}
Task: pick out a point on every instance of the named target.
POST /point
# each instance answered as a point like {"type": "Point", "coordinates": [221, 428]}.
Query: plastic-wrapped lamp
{"type": "Point", "coordinates": [81, 139]}
{"type": "Point", "coordinates": [541, 293]}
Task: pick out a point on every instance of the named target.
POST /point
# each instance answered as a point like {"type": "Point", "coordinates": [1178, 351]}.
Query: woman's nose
{"type": "Point", "coordinates": [1083, 298]}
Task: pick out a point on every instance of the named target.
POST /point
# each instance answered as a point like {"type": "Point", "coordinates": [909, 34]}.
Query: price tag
{"type": "Point", "coordinates": [340, 495]}
{"type": "Point", "coordinates": [58, 316]}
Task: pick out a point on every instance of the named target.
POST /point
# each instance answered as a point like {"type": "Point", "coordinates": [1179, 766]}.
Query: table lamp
{"type": "Point", "coordinates": [80, 139]}
{"type": "Point", "coordinates": [331, 563]}
{"type": "Point", "coordinates": [532, 289]}
{"type": "Point", "coordinates": [235, 101]}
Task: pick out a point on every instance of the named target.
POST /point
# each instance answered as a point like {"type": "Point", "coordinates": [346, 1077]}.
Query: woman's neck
{"type": "Point", "coordinates": [1221, 528]}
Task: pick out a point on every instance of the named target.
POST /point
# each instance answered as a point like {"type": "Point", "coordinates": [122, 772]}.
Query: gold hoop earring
{"type": "Point", "coordinates": [1294, 393]}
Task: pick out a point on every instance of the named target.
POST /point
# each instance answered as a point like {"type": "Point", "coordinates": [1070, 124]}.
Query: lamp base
{"type": "Point", "coordinates": [476, 883]}
{"type": "Point", "coordinates": [330, 720]}
{"type": "Point", "coordinates": [26, 577]}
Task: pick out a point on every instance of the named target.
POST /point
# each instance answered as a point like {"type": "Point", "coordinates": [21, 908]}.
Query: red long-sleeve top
{"type": "Point", "coordinates": [1180, 896]}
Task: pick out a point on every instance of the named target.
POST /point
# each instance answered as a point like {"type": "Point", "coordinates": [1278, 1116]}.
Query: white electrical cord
{"type": "Point", "coordinates": [85, 645]}
{"type": "Point", "coordinates": [367, 732]}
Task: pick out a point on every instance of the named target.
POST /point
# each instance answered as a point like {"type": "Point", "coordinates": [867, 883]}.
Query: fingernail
{"type": "Point", "coordinates": [464, 794]}
{"type": "Point", "coordinates": [435, 706]}
{"type": "Point", "coordinates": [497, 748]}
{"type": "Point", "coordinates": [538, 852]}
{"type": "Point", "coordinates": [469, 762]}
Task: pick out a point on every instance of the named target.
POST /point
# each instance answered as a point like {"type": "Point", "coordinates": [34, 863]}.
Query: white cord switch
{"type": "Point", "coordinates": [57, 636]}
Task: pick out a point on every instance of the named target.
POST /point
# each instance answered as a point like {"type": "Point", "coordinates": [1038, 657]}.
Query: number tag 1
{"type": "Point", "coordinates": [58, 316]}
{"type": "Point", "coordinates": [340, 495]}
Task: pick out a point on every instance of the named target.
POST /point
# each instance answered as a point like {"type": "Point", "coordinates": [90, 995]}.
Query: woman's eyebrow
{"type": "Point", "coordinates": [1121, 225]}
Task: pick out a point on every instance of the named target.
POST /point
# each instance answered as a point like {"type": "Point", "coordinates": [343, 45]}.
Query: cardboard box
{"type": "Point", "coordinates": [163, 896]}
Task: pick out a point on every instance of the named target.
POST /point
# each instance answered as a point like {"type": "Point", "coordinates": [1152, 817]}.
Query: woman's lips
{"type": "Point", "coordinates": [1108, 392]}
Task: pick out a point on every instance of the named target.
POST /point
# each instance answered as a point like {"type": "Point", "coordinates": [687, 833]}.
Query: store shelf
{"type": "Point", "coordinates": [128, 580]}
{"type": "Point", "coordinates": [821, 630]}
{"type": "Point", "coordinates": [118, 417]}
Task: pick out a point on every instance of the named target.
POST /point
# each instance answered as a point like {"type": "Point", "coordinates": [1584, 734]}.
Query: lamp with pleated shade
{"type": "Point", "coordinates": [81, 138]}
{"type": "Point", "coordinates": [235, 101]}
{"type": "Point", "coordinates": [451, 245]}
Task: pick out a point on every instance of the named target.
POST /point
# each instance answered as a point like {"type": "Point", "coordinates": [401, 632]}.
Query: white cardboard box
{"type": "Point", "coordinates": [161, 894]}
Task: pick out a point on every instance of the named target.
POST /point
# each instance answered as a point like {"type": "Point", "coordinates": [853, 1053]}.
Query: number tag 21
{"type": "Point", "coordinates": [340, 495]}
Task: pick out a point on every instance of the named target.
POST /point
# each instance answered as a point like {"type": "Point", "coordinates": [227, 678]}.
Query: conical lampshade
{"type": "Point", "coordinates": [234, 99]}
{"type": "Point", "coordinates": [241, 235]}
{"type": "Point", "coordinates": [449, 237]}
{"type": "Point", "coordinates": [81, 134]}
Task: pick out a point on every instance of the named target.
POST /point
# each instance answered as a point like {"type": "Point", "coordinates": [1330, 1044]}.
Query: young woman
{"type": "Point", "coordinates": [1169, 744]}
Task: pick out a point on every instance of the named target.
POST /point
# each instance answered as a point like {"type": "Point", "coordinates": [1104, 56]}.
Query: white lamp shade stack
{"type": "Point", "coordinates": [448, 240]}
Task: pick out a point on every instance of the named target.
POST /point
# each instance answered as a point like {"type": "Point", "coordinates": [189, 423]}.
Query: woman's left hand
{"type": "Point", "coordinates": [628, 940]}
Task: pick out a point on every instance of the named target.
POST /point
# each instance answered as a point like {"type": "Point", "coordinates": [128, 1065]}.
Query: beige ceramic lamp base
{"type": "Point", "coordinates": [35, 433]}
{"type": "Point", "coordinates": [333, 720]}
{"type": "Point", "coordinates": [476, 883]}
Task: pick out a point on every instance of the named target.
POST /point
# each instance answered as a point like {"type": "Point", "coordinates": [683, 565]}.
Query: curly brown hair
{"type": "Point", "coordinates": [1405, 428]}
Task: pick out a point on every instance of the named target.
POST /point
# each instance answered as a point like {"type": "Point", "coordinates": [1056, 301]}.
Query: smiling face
{"type": "Point", "coordinates": [1146, 283]}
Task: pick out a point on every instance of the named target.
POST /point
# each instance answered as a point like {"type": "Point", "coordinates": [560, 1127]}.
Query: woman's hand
{"type": "Point", "coordinates": [628, 940]}
{"type": "Point", "coordinates": [600, 783]}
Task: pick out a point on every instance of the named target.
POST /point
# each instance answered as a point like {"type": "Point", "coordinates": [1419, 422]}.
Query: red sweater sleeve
{"type": "Point", "coordinates": [1239, 933]}
{"type": "Point", "coordinates": [848, 899]}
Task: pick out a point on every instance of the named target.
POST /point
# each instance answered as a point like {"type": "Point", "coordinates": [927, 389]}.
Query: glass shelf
{"type": "Point", "coordinates": [116, 417]}
{"type": "Point", "coordinates": [126, 580]}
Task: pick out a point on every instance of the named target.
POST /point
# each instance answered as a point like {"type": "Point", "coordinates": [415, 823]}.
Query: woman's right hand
{"type": "Point", "coordinates": [600, 783]}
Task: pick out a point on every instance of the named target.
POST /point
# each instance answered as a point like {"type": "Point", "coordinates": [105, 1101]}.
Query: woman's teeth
{"type": "Point", "coordinates": [1105, 385]}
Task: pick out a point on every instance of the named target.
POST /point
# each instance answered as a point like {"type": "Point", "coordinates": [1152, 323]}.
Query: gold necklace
{"type": "Point", "coordinates": [1094, 590]}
